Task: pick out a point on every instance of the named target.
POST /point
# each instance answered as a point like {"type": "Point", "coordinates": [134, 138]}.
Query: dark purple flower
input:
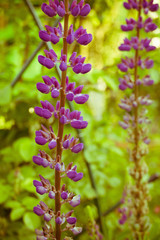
{"type": "Point", "coordinates": [50, 59]}
{"type": "Point", "coordinates": [37, 210]}
{"type": "Point", "coordinates": [77, 148]}
{"type": "Point", "coordinates": [77, 64]}
{"type": "Point", "coordinates": [59, 220]}
{"type": "Point", "coordinates": [73, 175]}
{"type": "Point", "coordinates": [51, 34]}
{"type": "Point", "coordinates": [64, 195]}
{"type": "Point", "coordinates": [71, 220]}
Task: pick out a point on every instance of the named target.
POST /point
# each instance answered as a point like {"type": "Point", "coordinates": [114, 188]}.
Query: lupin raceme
{"type": "Point", "coordinates": [56, 222]}
{"type": "Point", "coordinates": [134, 82]}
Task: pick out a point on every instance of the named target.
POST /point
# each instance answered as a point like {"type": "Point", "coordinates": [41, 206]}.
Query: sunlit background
{"type": "Point", "coordinates": [105, 142]}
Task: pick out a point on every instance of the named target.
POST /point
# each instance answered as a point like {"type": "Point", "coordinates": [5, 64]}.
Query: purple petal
{"type": "Point", "coordinates": [60, 11]}
{"type": "Point", "coordinates": [40, 140]}
{"type": "Point", "coordinates": [64, 195]}
{"type": "Point", "coordinates": [38, 211]}
{"type": "Point", "coordinates": [52, 144]}
{"type": "Point", "coordinates": [37, 160]}
{"type": "Point", "coordinates": [57, 167]}
{"type": "Point", "coordinates": [70, 96]}
{"type": "Point", "coordinates": [41, 190]}
{"type": "Point", "coordinates": [122, 87]}
{"type": "Point", "coordinates": [48, 10]}
{"type": "Point", "coordinates": [66, 144]}
{"type": "Point", "coordinates": [48, 63]}
{"type": "Point", "coordinates": [77, 148]}
{"type": "Point", "coordinates": [81, 98]}
{"type": "Point", "coordinates": [75, 11]}
{"type": "Point", "coordinates": [63, 119]}
{"type": "Point", "coordinates": [45, 163]}
{"type": "Point", "coordinates": [47, 114]}
{"type": "Point", "coordinates": [41, 59]}
{"type": "Point", "coordinates": [79, 124]}
{"type": "Point", "coordinates": [70, 38]}
{"type": "Point", "coordinates": [86, 68]}
{"type": "Point", "coordinates": [59, 220]}
{"type": "Point", "coordinates": [122, 67]}
{"type": "Point", "coordinates": [54, 38]}
{"type": "Point", "coordinates": [71, 174]}
{"type": "Point", "coordinates": [75, 201]}
{"type": "Point", "coordinates": [51, 195]}
{"type": "Point", "coordinates": [71, 220]}
{"type": "Point", "coordinates": [85, 39]}
{"type": "Point", "coordinates": [55, 93]}
{"type": "Point", "coordinates": [63, 66]}
{"type": "Point", "coordinates": [44, 36]}
{"type": "Point", "coordinates": [37, 183]}
{"type": "Point", "coordinates": [85, 10]}
{"type": "Point", "coordinates": [124, 47]}
{"type": "Point", "coordinates": [77, 68]}
{"type": "Point", "coordinates": [47, 217]}
{"type": "Point", "coordinates": [43, 88]}
{"type": "Point", "coordinates": [78, 177]}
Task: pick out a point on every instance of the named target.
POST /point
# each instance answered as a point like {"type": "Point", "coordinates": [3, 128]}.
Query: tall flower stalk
{"type": "Point", "coordinates": [64, 90]}
{"type": "Point", "coordinates": [135, 119]}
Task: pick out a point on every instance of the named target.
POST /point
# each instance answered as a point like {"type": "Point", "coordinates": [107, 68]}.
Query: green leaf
{"type": "Point", "coordinates": [29, 202]}
{"type": "Point", "coordinates": [12, 204]}
{"type": "Point", "coordinates": [26, 148]}
{"type": "Point", "coordinates": [5, 95]}
{"type": "Point", "coordinates": [31, 220]}
{"type": "Point", "coordinates": [5, 191]}
{"type": "Point", "coordinates": [17, 213]}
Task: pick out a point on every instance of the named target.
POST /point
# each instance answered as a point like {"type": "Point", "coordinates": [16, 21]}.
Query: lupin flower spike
{"type": "Point", "coordinates": [135, 118]}
{"type": "Point", "coordinates": [63, 90]}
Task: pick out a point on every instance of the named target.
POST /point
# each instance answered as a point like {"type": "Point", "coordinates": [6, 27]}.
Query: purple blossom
{"type": "Point", "coordinates": [42, 209]}
{"type": "Point", "coordinates": [71, 220]}
{"type": "Point", "coordinates": [51, 34]}
{"type": "Point", "coordinates": [73, 175]}
{"type": "Point", "coordinates": [43, 159]}
{"type": "Point", "coordinates": [79, 9]}
{"type": "Point", "coordinates": [50, 85]}
{"type": "Point", "coordinates": [43, 136]}
{"type": "Point", "coordinates": [50, 60]}
{"type": "Point", "coordinates": [75, 94]}
{"type": "Point", "coordinates": [135, 43]}
{"type": "Point", "coordinates": [42, 186]}
{"type": "Point", "coordinates": [53, 8]}
{"type": "Point", "coordinates": [77, 64]}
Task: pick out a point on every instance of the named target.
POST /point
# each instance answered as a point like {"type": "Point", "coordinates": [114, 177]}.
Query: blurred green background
{"type": "Point", "coordinates": [105, 142]}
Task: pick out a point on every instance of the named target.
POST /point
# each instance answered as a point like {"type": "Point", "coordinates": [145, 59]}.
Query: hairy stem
{"type": "Point", "coordinates": [60, 128]}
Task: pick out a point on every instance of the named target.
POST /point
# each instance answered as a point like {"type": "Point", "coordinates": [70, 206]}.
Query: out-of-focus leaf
{"type": "Point", "coordinates": [5, 191]}
{"type": "Point", "coordinates": [12, 204]}
{"type": "Point", "coordinates": [5, 95]}
{"type": "Point", "coordinates": [29, 202]}
{"type": "Point", "coordinates": [17, 213]}
{"type": "Point", "coordinates": [31, 220]}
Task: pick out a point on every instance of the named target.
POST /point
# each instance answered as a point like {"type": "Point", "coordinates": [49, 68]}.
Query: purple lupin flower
{"type": "Point", "coordinates": [56, 141]}
{"type": "Point", "coordinates": [135, 117]}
